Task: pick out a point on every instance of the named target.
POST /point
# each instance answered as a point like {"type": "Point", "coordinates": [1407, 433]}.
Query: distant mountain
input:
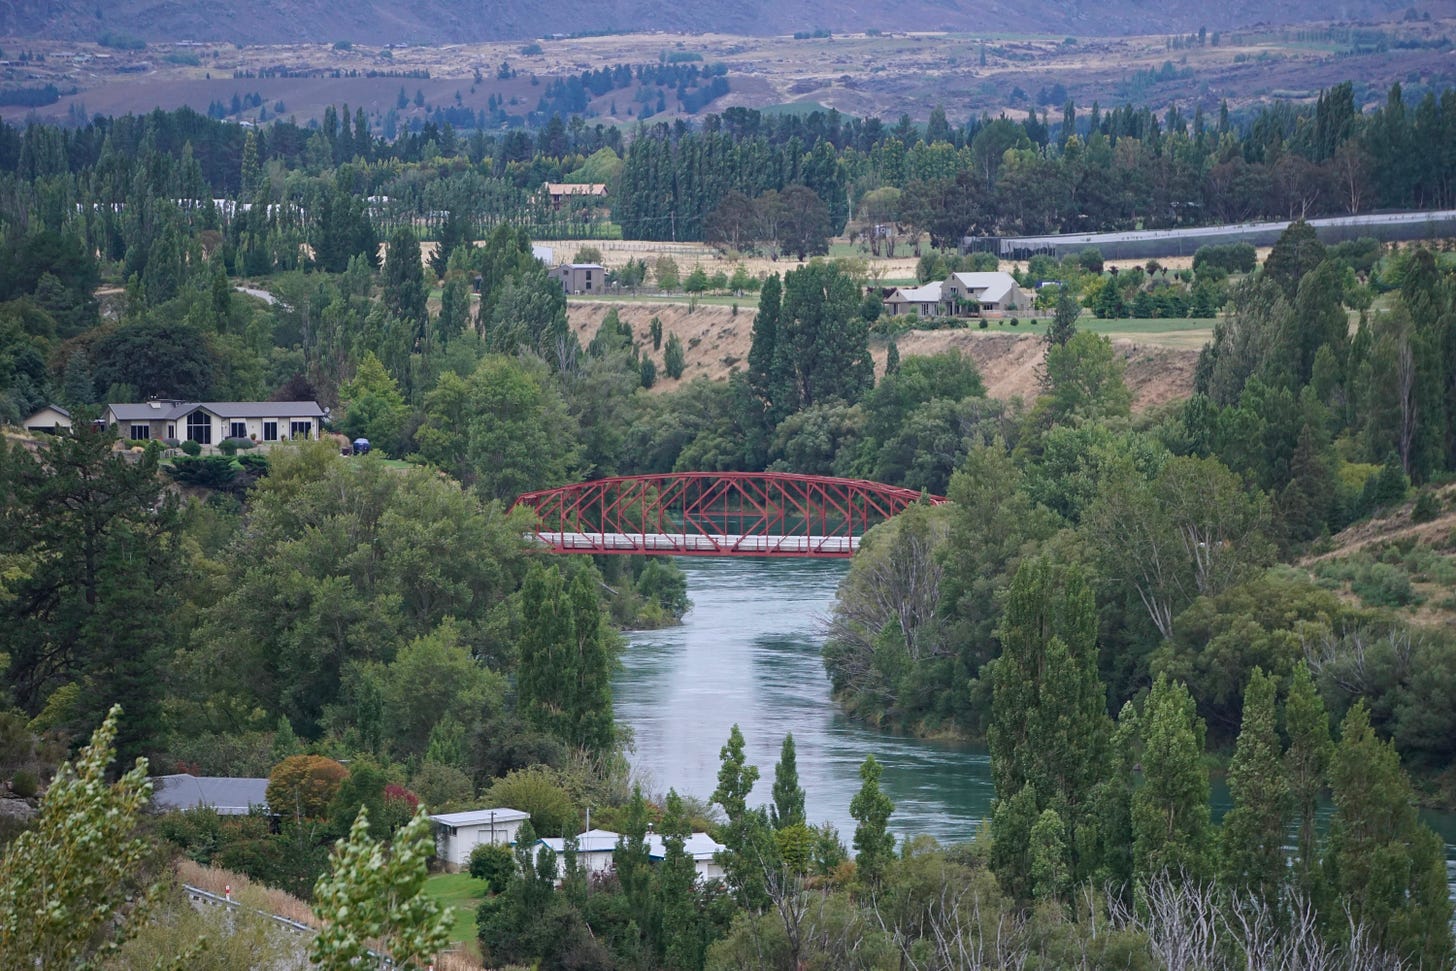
{"type": "Point", "coordinates": [463, 21]}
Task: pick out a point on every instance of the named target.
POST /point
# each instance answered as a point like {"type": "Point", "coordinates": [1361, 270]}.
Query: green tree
{"type": "Point", "coordinates": [821, 348]}
{"type": "Point", "coordinates": [1083, 377]}
{"type": "Point", "coordinates": [403, 286]}
{"type": "Point", "coordinates": [504, 429]}
{"type": "Point", "coordinates": [1049, 733]}
{"type": "Point", "coordinates": [1252, 836]}
{"type": "Point", "coordinates": [874, 844]}
{"type": "Point", "coordinates": [564, 684]}
{"type": "Point", "coordinates": [1064, 319]}
{"type": "Point", "coordinates": [1385, 866]}
{"type": "Point", "coordinates": [673, 359]}
{"type": "Point", "coordinates": [454, 311]}
{"type": "Point", "coordinates": [373, 406]}
{"type": "Point", "coordinates": [1305, 762]}
{"type": "Point", "coordinates": [788, 795]}
{"type": "Point", "coordinates": [684, 943]}
{"type": "Point", "coordinates": [1170, 813]}
{"type": "Point", "coordinates": [76, 882]}
{"type": "Point", "coordinates": [374, 894]}
{"type": "Point", "coordinates": [91, 540]}
{"type": "Point", "coordinates": [1050, 873]}
{"type": "Point", "coordinates": [747, 834]}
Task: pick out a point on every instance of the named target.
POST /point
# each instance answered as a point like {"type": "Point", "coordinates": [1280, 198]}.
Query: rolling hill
{"type": "Point", "coordinates": [464, 21]}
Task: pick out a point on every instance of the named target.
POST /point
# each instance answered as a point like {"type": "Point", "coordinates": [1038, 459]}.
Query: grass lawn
{"type": "Point", "coordinates": [462, 893]}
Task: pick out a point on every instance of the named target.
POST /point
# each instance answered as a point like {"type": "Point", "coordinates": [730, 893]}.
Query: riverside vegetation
{"type": "Point", "coordinates": [1109, 598]}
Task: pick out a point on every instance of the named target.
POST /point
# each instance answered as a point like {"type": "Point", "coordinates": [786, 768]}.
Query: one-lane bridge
{"type": "Point", "coordinates": [715, 514]}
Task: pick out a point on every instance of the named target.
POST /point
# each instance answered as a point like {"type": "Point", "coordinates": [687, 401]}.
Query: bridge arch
{"type": "Point", "coordinates": [715, 514]}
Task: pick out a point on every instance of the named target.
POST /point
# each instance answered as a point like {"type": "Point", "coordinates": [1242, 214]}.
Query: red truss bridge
{"type": "Point", "coordinates": [715, 514]}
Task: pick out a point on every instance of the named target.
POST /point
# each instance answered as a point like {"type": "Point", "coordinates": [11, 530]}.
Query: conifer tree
{"type": "Point", "coordinates": [1387, 868]}
{"type": "Point", "coordinates": [1253, 831]}
{"type": "Point", "coordinates": [874, 844]}
{"type": "Point", "coordinates": [1050, 875]}
{"type": "Point", "coordinates": [788, 795]}
{"type": "Point", "coordinates": [1170, 812]}
{"type": "Point", "coordinates": [747, 835]}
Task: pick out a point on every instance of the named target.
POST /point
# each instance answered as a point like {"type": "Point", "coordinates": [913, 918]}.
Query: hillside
{"type": "Point", "coordinates": [716, 342]}
{"type": "Point", "coordinates": [457, 21]}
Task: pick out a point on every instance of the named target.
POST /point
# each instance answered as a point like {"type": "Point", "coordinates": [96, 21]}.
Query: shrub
{"type": "Point", "coordinates": [1426, 507]}
{"type": "Point", "coordinates": [208, 471]}
{"type": "Point", "coordinates": [191, 447]}
{"type": "Point", "coordinates": [253, 464]}
{"type": "Point", "coordinates": [984, 323]}
{"type": "Point", "coordinates": [304, 785]}
{"type": "Point", "coordinates": [24, 784]}
{"type": "Point", "coordinates": [537, 790]}
{"type": "Point", "coordinates": [493, 863]}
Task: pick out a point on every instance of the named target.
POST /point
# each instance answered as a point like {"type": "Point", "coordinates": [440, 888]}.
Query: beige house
{"type": "Point", "coordinates": [580, 277]}
{"type": "Point", "coordinates": [559, 192]}
{"type": "Point", "coordinates": [209, 422]}
{"type": "Point", "coordinates": [924, 301]}
{"type": "Point", "coordinates": [49, 419]}
{"type": "Point", "coordinates": [994, 293]}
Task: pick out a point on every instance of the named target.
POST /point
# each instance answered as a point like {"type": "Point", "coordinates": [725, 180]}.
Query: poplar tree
{"type": "Point", "coordinates": [374, 895]}
{"type": "Point", "coordinates": [1049, 730]}
{"type": "Point", "coordinates": [788, 795]}
{"type": "Point", "coordinates": [684, 943]}
{"type": "Point", "coordinates": [563, 682]}
{"type": "Point", "coordinates": [75, 881]}
{"type": "Point", "coordinates": [1253, 831]}
{"type": "Point", "coordinates": [1170, 812]}
{"type": "Point", "coordinates": [1308, 726]}
{"type": "Point", "coordinates": [874, 844]}
{"type": "Point", "coordinates": [747, 835]}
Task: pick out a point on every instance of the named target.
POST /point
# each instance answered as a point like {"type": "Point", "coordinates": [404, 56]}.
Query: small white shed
{"type": "Point", "coordinates": [456, 834]}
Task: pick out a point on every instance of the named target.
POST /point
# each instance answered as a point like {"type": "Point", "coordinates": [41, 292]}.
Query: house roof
{"type": "Point", "coordinates": [230, 796]}
{"type": "Point", "coordinates": [481, 817]}
{"type": "Point", "coordinates": [592, 841]}
{"type": "Point", "coordinates": [576, 188]}
{"type": "Point", "coordinates": [170, 409]}
{"type": "Point", "coordinates": [699, 846]}
{"type": "Point", "coordinates": [581, 266]}
{"type": "Point", "coordinates": [987, 287]}
{"type": "Point", "coordinates": [929, 293]}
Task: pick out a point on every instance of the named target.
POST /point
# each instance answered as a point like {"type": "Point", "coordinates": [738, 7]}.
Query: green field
{"type": "Point", "coordinates": [462, 893]}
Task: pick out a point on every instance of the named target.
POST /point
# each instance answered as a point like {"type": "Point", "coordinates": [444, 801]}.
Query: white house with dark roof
{"type": "Point", "coordinates": [457, 834]}
{"type": "Point", "coordinates": [227, 796]}
{"type": "Point", "coordinates": [209, 422]}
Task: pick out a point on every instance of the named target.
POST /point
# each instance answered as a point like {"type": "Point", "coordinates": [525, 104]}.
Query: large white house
{"type": "Point", "coordinates": [700, 846]}
{"type": "Point", "coordinates": [209, 422]}
{"type": "Point", "coordinates": [456, 834]}
{"type": "Point", "coordinates": [594, 850]}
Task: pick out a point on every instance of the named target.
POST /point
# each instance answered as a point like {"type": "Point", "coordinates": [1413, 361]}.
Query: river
{"type": "Point", "coordinates": [748, 652]}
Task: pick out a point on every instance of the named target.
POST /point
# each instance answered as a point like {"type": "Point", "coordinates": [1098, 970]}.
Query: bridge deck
{"type": "Point", "coordinates": [695, 544]}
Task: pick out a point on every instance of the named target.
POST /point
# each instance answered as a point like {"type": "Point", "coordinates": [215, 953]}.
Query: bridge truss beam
{"type": "Point", "coordinates": [715, 514]}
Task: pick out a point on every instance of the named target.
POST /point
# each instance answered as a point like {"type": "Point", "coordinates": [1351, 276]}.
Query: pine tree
{"type": "Point", "coordinates": [788, 795]}
{"type": "Point", "coordinates": [1386, 867]}
{"type": "Point", "coordinates": [1253, 831]}
{"type": "Point", "coordinates": [874, 844]}
{"type": "Point", "coordinates": [747, 835]}
{"type": "Point", "coordinates": [892, 359]}
{"type": "Point", "coordinates": [1170, 812]}
{"type": "Point", "coordinates": [1305, 763]}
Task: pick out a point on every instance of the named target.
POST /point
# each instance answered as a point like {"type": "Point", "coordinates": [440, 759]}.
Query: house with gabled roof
{"type": "Point", "coordinates": [209, 422]}
{"type": "Point", "coordinates": [924, 300]}
{"type": "Point", "coordinates": [995, 292]}
{"type": "Point", "coordinates": [457, 834]}
{"type": "Point", "coordinates": [48, 419]}
{"type": "Point", "coordinates": [580, 277]}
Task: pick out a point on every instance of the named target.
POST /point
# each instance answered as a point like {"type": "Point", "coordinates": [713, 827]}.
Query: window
{"type": "Point", "coordinates": [300, 429]}
{"type": "Point", "coordinates": [237, 429]}
{"type": "Point", "coordinates": [270, 431]}
{"type": "Point", "coordinates": [199, 428]}
{"type": "Point", "coordinates": [140, 433]}
{"type": "Point", "coordinates": [171, 430]}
